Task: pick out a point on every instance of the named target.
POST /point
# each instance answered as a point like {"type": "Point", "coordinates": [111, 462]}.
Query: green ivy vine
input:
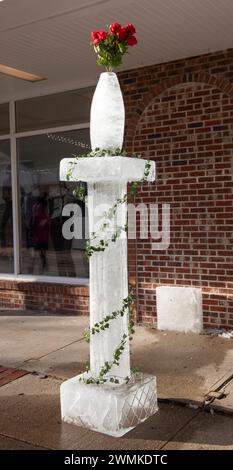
{"type": "Point", "coordinates": [127, 307]}
{"type": "Point", "coordinates": [90, 249]}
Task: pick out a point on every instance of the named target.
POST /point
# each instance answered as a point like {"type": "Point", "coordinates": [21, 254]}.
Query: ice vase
{"type": "Point", "coordinates": [107, 114]}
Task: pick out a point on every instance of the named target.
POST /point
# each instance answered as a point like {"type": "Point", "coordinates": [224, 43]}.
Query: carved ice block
{"type": "Point", "coordinates": [118, 169]}
{"type": "Point", "coordinates": [179, 309]}
{"type": "Point", "coordinates": [110, 409]}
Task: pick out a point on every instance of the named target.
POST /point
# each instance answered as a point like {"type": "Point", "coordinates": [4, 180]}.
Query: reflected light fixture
{"type": "Point", "coordinates": [21, 74]}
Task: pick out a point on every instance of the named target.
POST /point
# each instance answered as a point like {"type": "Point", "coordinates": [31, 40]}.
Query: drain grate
{"type": "Point", "coordinates": [8, 375]}
{"type": "Point", "coordinates": [219, 392]}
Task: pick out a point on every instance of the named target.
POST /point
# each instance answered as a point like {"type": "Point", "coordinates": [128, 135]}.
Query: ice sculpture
{"type": "Point", "coordinates": [109, 408]}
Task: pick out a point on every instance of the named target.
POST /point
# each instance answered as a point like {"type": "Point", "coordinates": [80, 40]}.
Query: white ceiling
{"type": "Point", "coordinates": [52, 37]}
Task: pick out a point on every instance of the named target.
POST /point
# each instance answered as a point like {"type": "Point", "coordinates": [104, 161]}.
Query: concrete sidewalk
{"type": "Point", "coordinates": [190, 369]}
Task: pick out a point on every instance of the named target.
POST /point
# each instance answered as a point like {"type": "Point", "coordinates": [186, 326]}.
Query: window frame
{"type": "Point", "coordinates": [12, 137]}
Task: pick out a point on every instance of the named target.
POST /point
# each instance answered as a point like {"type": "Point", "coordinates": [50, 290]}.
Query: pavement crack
{"type": "Point", "coordinates": [51, 352]}
{"type": "Point", "coordinates": [7, 436]}
{"type": "Point", "coordinates": [180, 429]}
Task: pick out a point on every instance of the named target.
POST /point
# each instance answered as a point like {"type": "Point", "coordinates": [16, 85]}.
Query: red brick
{"type": "Point", "coordinates": [198, 183]}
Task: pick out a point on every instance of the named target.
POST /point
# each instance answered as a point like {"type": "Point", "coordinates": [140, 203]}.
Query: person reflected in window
{"type": "Point", "coordinates": [40, 230]}
{"type": "Point", "coordinates": [7, 211]}
{"type": "Point", "coordinates": [62, 247]}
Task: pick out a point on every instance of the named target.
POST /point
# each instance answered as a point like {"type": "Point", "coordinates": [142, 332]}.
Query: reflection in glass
{"type": "Point", "coordinates": [6, 224]}
{"type": "Point", "coordinates": [62, 109]}
{"type": "Point", "coordinates": [44, 250]}
{"type": "Point", "coordinates": [4, 119]}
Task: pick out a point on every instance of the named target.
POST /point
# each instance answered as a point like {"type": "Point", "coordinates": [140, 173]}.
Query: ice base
{"type": "Point", "coordinates": [109, 408]}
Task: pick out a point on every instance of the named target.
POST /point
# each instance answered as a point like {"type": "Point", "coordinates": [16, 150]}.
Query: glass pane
{"type": "Point", "coordinates": [4, 119]}
{"type": "Point", "coordinates": [6, 226]}
{"type": "Point", "coordinates": [54, 110]}
{"type": "Point", "coordinates": [44, 249]}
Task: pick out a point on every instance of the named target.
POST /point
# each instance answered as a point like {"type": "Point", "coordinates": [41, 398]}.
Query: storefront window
{"type": "Point", "coordinates": [61, 109]}
{"type": "Point", "coordinates": [4, 119]}
{"type": "Point", "coordinates": [6, 226]}
{"type": "Point", "coordinates": [44, 250]}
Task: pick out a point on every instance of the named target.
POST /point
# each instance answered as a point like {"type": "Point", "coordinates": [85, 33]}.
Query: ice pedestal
{"type": "Point", "coordinates": [90, 405]}
{"type": "Point", "coordinates": [108, 408]}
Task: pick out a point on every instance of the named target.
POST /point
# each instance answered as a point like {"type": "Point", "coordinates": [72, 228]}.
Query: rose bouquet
{"type": "Point", "coordinates": [111, 45]}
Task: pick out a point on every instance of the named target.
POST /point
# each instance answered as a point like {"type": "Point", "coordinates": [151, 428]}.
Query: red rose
{"type": "Point", "coordinates": [130, 29]}
{"type": "Point", "coordinates": [98, 36]}
{"type": "Point", "coordinates": [122, 35]}
{"type": "Point", "coordinates": [115, 28]}
{"type": "Point", "coordinates": [132, 41]}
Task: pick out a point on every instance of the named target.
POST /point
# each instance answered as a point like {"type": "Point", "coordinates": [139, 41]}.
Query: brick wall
{"type": "Point", "coordinates": [180, 114]}
{"type": "Point", "coordinates": [44, 297]}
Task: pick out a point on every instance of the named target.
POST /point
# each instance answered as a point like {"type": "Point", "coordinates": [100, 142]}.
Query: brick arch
{"type": "Point", "coordinates": [195, 177]}
{"type": "Point", "coordinates": [200, 77]}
